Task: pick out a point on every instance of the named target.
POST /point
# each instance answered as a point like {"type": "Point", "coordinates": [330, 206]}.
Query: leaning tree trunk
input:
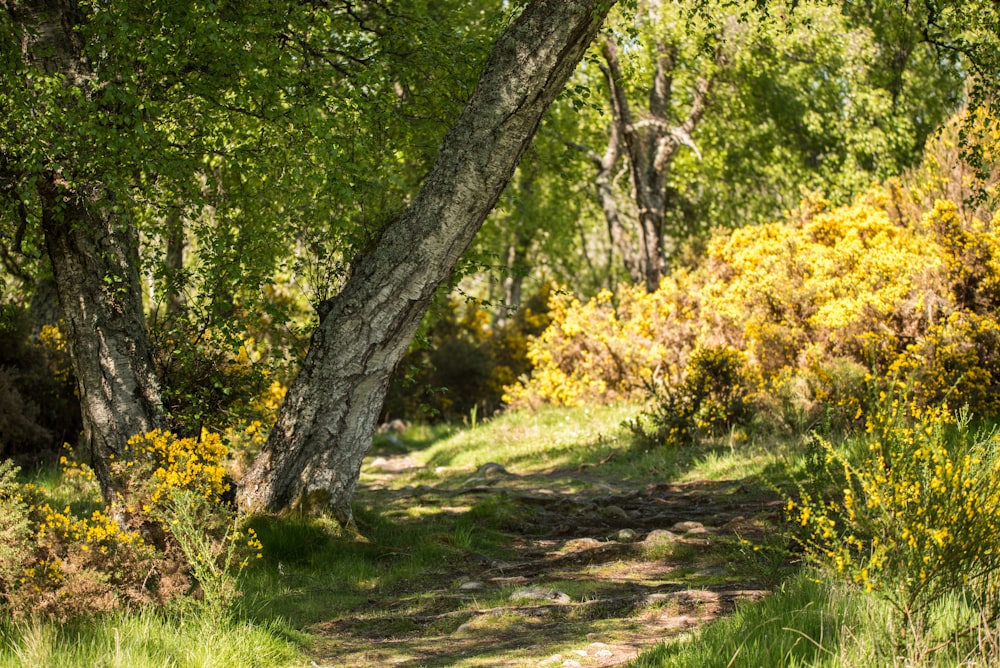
{"type": "Point", "coordinates": [95, 262]}
{"type": "Point", "coordinates": [313, 457]}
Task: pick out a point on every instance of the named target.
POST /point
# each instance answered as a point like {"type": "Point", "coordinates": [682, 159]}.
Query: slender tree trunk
{"type": "Point", "coordinates": [313, 456]}
{"type": "Point", "coordinates": [95, 261]}
{"type": "Point", "coordinates": [604, 184]}
{"type": "Point", "coordinates": [650, 146]}
{"type": "Point", "coordinates": [173, 263]}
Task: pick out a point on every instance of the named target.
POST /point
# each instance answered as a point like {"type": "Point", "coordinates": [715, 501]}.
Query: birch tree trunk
{"type": "Point", "coordinates": [95, 263]}
{"type": "Point", "coordinates": [313, 457]}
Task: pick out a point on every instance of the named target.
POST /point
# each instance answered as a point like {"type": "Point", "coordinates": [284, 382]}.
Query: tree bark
{"type": "Point", "coordinates": [313, 457]}
{"type": "Point", "coordinates": [95, 263]}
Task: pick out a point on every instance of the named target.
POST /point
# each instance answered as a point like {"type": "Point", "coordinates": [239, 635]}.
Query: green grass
{"type": "Point", "coordinates": [149, 638]}
{"type": "Point", "coordinates": [558, 438]}
{"type": "Point", "coordinates": [312, 573]}
{"type": "Point", "coordinates": [817, 621]}
{"type": "Point", "coordinates": [548, 438]}
{"type": "Point", "coordinates": [805, 623]}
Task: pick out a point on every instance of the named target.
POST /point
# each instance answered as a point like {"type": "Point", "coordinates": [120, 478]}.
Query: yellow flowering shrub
{"type": "Point", "coordinates": [174, 488]}
{"type": "Point", "coordinates": [166, 529]}
{"type": "Point", "coordinates": [67, 562]}
{"type": "Point", "coordinates": [609, 348]}
{"type": "Point", "coordinates": [911, 511]}
{"type": "Point", "coordinates": [825, 306]}
{"type": "Point", "coordinates": [158, 462]}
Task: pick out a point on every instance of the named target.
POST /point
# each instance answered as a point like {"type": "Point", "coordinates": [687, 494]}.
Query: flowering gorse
{"type": "Point", "coordinates": [911, 512]}
{"type": "Point", "coordinates": [156, 463]}
{"type": "Point", "coordinates": [166, 529]}
{"type": "Point", "coordinates": [887, 289]}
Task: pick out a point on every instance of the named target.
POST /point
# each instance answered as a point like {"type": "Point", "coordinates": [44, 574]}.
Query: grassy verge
{"type": "Point", "coordinates": [422, 531]}
{"type": "Point", "coordinates": [149, 638]}
{"type": "Point", "coordinates": [808, 621]}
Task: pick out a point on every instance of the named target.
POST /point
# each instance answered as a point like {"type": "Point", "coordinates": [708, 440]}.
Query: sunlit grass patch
{"type": "Point", "coordinates": [532, 440]}
{"type": "Point", "coordinates": [802, 624]}
{"type": "Point", "coordinates": [151, 638]}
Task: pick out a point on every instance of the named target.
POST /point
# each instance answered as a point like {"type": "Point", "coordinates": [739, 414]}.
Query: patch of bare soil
{"type": "Point", "coordinates": [595, 572]}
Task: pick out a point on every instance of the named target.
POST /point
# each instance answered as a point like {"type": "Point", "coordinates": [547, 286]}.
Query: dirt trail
{"type": "Point", "coordinates": [596, 571]}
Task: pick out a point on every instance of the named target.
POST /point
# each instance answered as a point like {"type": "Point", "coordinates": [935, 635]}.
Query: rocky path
{"type": "Point", "coordinates": [595, 570]}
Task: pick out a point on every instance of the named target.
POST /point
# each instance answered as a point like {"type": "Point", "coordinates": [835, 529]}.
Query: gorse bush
{"type": "Point", "coordinates": [166, 534]}
{"type": "Point", "coordinates": [824, 307]}
{"type": "Point", "coordinates": [715, 397]}
{"type": "Point", "coordinates": [611, 347]}
{"type": "Point", "coordinates": [910, 511]}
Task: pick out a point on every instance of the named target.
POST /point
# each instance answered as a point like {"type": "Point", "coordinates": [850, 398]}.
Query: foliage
{"type": "Point", "coordinates": [463, 360]}
{"type": "Point", "coordinates": [210, 377]}
{"type": "Point", "coordinates": [166, 525]}
{"type": "Point", "coordinates": [73, 563]}
{"type": "Point", "coordinates": [608, 351]}
{"type": "Point", "coordinates": [15, 529]}
{"type": "Point", "coordinates": [38, 403]}
{"type": "Point", "coordinates": [714, 398]}
{"type": "Point", "coordinates": [824, 307]}
{"type": "Point", "coordinates": [811, 97]}
{"type": "Point", "coordinates": [912, 514]}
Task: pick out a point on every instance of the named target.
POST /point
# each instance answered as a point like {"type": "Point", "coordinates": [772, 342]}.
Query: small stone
{"type": "Point", "coordinates": [491, 470]}
{"type": "Point", "coordinates": [625, 536]}
{"type": "Point", "coordinates": [660, 536]}
{"type": "Point", "coordinates": [577, 544]}
{"type": "Point", "coordinates": [397, 426]}
{"type": "Point", "coordinates": [571, 663]}
{"type": "Point", "coordinates": [615, 512]}
{"type": "Point", "coordinates": [688, 527]}
{"type": "Point", "coordinates": [580, 652]}
{"type": "Point", "coordinates": [472, 585]}
{"type": "Point", "coordinates": [379, 462]}
{"type": "Point", "coordinates": [555, 658]}
{"type": "Point", "coordinates": [540, 594]}
{"type": "Point", "coordinates": [603, 653]}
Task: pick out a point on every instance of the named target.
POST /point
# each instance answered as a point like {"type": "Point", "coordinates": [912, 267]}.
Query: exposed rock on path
{"type": "Point", "coordinates": [597, 572]}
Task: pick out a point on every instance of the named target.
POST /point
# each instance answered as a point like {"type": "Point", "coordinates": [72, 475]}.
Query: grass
{"type": "Point", "coordinates": [807, 622]}
{"type": "Point", "coordinates": [150, 638]}
{"type": "Point", "coordinates": [313, 579]}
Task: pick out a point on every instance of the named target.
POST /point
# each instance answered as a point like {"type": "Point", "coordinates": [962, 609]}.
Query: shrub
{"type": "Point", "coordinates": [211, 376]}
{"type": "Point", "coordinates": [463, 360]}
{"type": "Point", "coordinates": [166, 534]}
{"type": "Point", "coordinates": [714, 397]}
{"type": "Point", "coordinates": [609, 348]}
{"type": "Point", "coordinates": [910, 513]}
{"type": "Point", "coordinates": [38, 405]}
{"type": "Point", "coordinates": [824, 306]}
{"type": "Point", "coordinates": [15, 529]}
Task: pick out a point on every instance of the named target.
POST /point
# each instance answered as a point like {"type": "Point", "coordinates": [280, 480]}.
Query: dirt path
{"type": "Point", "coordinates": [594, 572]}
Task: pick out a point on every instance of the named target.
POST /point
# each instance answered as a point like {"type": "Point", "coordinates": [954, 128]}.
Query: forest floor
{"type": "Point", "coordinates": [584, 568]}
